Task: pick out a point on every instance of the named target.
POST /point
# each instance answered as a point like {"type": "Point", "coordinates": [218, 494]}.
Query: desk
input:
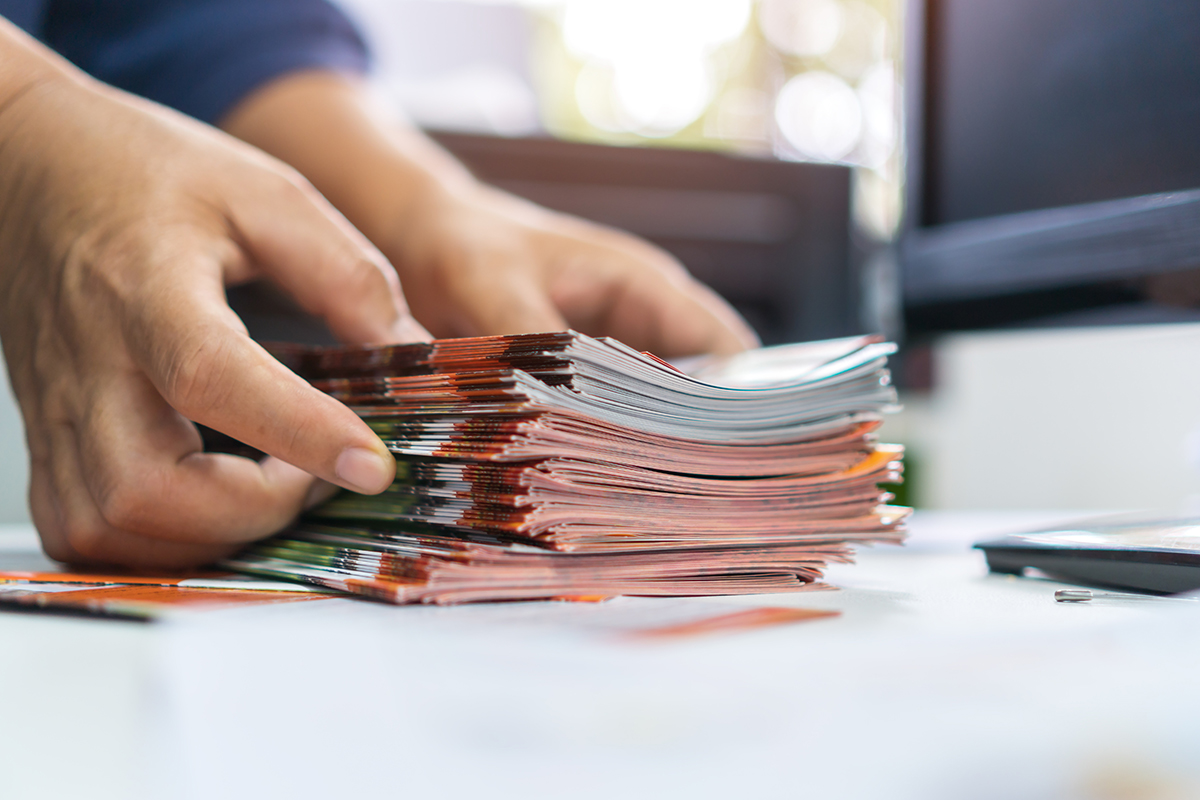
{"type": "Point", "coordinates": [938, 681]}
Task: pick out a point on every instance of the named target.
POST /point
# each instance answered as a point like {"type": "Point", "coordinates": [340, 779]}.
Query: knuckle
{"type": "Point", "coordinates": [363, 278]}
{"type": "Point", "coordinates": [127, 504]}
{"type": "Point", "coordinates": [195, 380]}
{"type": "Point", "coordinates": [57, 548]}
{"type": "Point", "coordinates": [664, 264]}
{"type": "Point", "coordinates": [640, 256]}
{"type": "Point", "coordinates": [89, 538]}
{"type": "Point", "coordinates": [356, 285]}
{"type": "Point", "coordinates": [48, 521]}
{"type": "Point", "coordinates": [289, 186]}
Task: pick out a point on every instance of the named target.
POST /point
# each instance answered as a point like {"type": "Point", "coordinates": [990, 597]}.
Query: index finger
{"type": "Point", "coordinates": [631, 290]}
{"type": "Point", "coordinates": [197, 354]}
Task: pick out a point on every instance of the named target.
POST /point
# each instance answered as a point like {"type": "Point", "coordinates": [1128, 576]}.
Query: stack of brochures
{"type": "Point", "coordinates": [558, 465]}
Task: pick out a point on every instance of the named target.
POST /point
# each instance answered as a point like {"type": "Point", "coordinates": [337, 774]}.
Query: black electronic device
{"type": "Point", "coordinates": [1052, 157]}
{"type": "Point", "coordinates": [1159, 554]}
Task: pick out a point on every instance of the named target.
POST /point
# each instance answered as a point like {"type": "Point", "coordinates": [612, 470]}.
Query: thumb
{"type": "Point", "coordinates": [299, 241]}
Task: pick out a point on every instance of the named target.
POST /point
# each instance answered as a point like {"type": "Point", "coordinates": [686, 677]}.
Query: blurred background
{"type": "Point", "coordinates": [800, 80]}
{"type": "Point", "coordinates": [775, 165]}
{"type": "Point", "coordinates": [1010, 190]}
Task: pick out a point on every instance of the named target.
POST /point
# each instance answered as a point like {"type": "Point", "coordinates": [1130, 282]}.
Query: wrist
{"type": "Point", "coordinates": [26, 64]}
{"type": "Point", "coordinates": [28, 142]}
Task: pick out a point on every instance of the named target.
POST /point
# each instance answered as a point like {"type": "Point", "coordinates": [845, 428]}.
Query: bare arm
{"type": "Point", "coordinates": [474, 260]}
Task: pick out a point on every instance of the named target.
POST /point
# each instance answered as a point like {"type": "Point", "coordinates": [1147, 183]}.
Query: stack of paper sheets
{"type": "Point", "coordinates": [558, 465]}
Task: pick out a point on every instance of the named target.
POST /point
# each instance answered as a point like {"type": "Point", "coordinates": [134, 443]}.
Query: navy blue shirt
{"type": "Point", "coordinates": [198, 56]}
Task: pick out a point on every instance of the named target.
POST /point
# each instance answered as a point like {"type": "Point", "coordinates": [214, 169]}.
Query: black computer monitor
{"type": "Point", "coordinates": [1053, 154]}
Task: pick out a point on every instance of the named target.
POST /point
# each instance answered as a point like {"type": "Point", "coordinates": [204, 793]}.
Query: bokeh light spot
{"type": "Point", "coordinates": [801, 27]}
{"type": "Point", "coordinates": [819, 115]}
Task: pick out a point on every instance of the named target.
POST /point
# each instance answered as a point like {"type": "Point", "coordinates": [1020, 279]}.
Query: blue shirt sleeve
{"type": "Point", "coordinates": [25, 14]}
{"type": "Point", "coordinates": [200, 56]}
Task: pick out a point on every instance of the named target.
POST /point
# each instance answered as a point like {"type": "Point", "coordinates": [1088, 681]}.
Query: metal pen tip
{"type": "Point", "coordinates": [1073, 595]}
{"type": "Point", "coordinates": [1087, 595]}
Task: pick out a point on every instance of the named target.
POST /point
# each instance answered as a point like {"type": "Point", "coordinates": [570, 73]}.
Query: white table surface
{"type": "Point", "coordinates": [938, 681]}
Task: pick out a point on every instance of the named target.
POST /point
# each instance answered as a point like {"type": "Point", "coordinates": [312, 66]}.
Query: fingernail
{"type": "Point", "coordinates": [318, 493]}
{"type": "Point", "coordinates": [364, 470]}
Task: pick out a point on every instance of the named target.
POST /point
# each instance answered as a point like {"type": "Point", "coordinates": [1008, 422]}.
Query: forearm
{"type": "Point", "coordinates": [375, 169]}
{"type": "Point", "coordinates": [27, 70]}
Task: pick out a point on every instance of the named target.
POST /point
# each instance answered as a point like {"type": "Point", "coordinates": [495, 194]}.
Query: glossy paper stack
{"type": "Point", "coordinates": [557, 465]}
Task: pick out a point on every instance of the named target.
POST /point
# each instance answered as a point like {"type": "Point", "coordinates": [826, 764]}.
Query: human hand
{"type": "Point", "coordinates": [121, 223]}
{"type": "Point", "coordinates": [475, 260]}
